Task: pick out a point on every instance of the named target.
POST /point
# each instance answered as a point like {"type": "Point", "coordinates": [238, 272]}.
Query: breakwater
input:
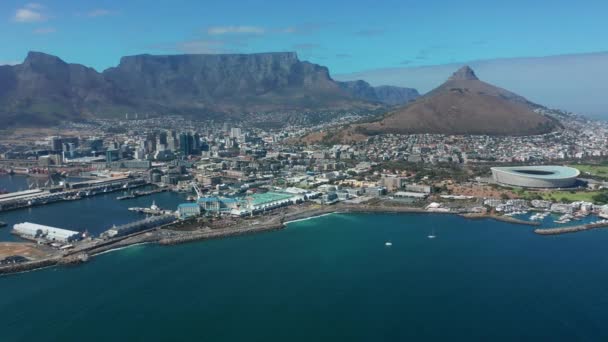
{"type": "Point", "coordinates": [220, 233]}
{"type": "Point", "coordinates": [572, 229]}
{"type": "Point", "coordinates": [28, 266]}
{"type": "Point", "coordinates": [501, 218]}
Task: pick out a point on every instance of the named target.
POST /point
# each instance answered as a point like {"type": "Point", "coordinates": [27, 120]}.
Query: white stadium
{"type": "Point", "coordinates": [544, 176]}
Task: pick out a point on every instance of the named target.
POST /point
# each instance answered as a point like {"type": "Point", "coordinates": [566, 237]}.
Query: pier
{"type": "Point", "coordinates": [137, 194]}
{"type": "Point", "coordinates": [151, 211]}
{"type": "Point", "coordinates": [572, 229]}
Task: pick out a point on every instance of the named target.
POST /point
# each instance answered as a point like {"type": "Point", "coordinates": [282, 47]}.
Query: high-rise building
{"type": "Point", "coordinates": [196, 143]}
{"type": "Point", "coordinates": [162, 138]}
{"type": "Point", "coordinates": [235, 132]}
{"type": "Point", "coordinates": [172, 144]}
{"type": "Point", "coordinates": [185, 143]}
{"type": "Point", "coordinates": [140, 154]}
{"type": "Point", "coordinates": [112, 155]}
{"type": "Point", "coordinates": [56, 144]}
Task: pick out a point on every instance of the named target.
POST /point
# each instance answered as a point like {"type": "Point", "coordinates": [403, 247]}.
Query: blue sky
{"type": "Point", "coordinates": [346, 36]}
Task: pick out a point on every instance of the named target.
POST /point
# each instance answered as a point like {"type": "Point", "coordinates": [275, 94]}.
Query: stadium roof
{"type": "Point", "coordinates": [541, 171]}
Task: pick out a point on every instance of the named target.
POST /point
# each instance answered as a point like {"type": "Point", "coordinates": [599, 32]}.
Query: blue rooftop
{"type": "Point", "coordinates": [187, 205]}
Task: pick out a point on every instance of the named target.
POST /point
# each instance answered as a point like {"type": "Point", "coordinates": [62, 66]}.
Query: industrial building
{"type": "Point", "coordinates": [37, 231]}
{"type": "Point", "coordinates": [544, 176]}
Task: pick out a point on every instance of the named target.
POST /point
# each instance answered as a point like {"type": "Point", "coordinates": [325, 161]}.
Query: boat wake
{"type": "Point", "coordinates": [308, 218]}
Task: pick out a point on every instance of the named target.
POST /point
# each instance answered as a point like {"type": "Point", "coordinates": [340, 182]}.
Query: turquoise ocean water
{"type": "Point", "coordinates": [327, 279]}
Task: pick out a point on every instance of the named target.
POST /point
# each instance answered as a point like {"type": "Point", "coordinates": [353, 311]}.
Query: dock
{"type": "Point", "coordinates": [572, 229]}
{"type": "Point", "coordinates": [136, 194]}
{"type": "Point", "coordinates": [151, 211]}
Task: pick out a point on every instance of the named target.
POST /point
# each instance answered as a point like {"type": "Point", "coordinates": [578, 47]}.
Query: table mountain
{"type": "Point", "coordinates": [45, 90]}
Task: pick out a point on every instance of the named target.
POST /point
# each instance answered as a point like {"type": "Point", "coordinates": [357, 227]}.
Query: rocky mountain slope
{"type": "Point", "coordinates": [44, 89]}
{"type": "Point", "coordinates": [465, 105]}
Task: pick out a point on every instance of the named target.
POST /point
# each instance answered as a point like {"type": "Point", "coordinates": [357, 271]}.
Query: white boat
{"type": "Point", "coordinates": [388, 243]}
{"type": "Point", "coordinates": [432, 235]}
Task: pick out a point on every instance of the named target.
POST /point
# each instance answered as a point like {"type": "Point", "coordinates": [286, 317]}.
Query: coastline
{"type": "Point", "coordinates": [165, 236]}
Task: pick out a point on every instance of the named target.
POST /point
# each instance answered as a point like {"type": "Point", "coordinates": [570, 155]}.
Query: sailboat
{"type": "Point", "coordinates": [432, 235]}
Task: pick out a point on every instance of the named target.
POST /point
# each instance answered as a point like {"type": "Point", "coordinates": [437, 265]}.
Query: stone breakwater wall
{"type": "Point", "coordinates": [27, 266]}
{"type": "Point", "coordinates": [573, 229]}
{"type": "Point", "coordinates": [220, 233]}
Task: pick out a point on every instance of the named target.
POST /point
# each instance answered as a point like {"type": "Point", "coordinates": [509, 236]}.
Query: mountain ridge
{"type": "Point", "coordinates": [44, 89]}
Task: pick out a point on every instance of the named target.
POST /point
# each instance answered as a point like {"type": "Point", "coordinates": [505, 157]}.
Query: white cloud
{"type": "Point", "coordinates": [194, 46]}
{"type": "Point", "coordinates": [99, 12]}
{"type": "Point", "coordinates": [220, 30]}
{"type": "Point", "coordinates": [45, 30]}
{"type": "Point", "coordinates": [30, 13]}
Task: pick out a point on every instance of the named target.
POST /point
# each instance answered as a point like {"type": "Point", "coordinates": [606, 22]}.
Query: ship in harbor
{"type": "Point", "coordinates": [152, 210]}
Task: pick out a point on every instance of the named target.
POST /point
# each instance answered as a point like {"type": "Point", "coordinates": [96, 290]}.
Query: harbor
{"type": "Point", "coordinates": [155, 215]}
{"type": "Point", "coordinates": [70, 192]}
{"type": "Point", "coordinates": [96, 214]}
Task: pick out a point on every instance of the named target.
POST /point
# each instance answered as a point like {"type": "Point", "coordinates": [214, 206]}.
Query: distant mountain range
{"type": "Point", "coordinates": [462, 105]}
{"type": "Point", "coordinates": [45, 90]}
{"type": "Point", "coordinates": [390, 95]}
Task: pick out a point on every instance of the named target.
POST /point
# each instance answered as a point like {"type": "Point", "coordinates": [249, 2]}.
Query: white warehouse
{"type": "Point", "coordinates": [37, 231]}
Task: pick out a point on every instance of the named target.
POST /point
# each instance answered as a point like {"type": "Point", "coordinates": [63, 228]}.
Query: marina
{"type": "Point", "coordinates": [75, 191]}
